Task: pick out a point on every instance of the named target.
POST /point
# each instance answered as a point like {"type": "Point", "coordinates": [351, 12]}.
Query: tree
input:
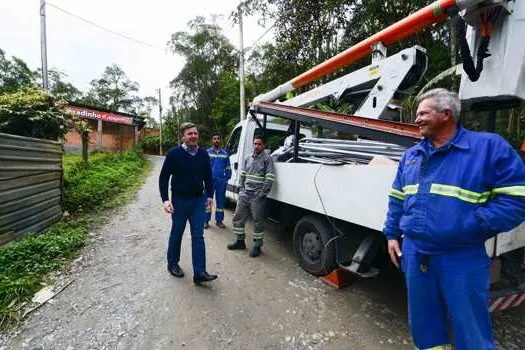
{"type": "Point", "coordinates": [83, 128]}
{"type": "Point", "coordinates": [14, 74]}
{"type": "Point", "coordinates": [34, 113]}
{"type": "Point", "coordinates": [113, 91]}
{"type": "Point", "coordinates": [62, 89]}
{"type": "Point", "coordinates": [170, 126]}
{"type": "Point", "coordinates": [148, 104]}
{"type": "Point", "coordinates": [225, 111]}
{"type": "Point", "coordinates": [208, 55]}
{"type": "Point", "coordinates": [307, 32]}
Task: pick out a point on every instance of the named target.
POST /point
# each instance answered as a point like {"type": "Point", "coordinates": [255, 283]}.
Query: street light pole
{"type": "Point", "coordinates": [43, 45]}
{"type": "Point", "coordinates": [160, 119]}
{"type": "Point", "coordinates": [241, 65]}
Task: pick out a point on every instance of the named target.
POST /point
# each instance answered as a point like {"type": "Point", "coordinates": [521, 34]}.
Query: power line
{"type": "Point", "coordinates": [263, 34]}
{"type": "Point", "coordinates": [260, 37]}
{"type": "Point", "coordinates": [106, 29]}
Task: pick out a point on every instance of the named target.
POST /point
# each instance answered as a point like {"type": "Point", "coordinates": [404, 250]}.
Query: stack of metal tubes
{"type": "Point", "coordinates": [335, 152]}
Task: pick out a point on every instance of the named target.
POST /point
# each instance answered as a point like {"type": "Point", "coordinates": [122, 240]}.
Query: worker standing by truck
{"type": "Point", "coordinates": [256, 180]}
{"type": "Point", "coordinates": [452, 192]}
{"type": "Point", "coordinates": [221, 173]}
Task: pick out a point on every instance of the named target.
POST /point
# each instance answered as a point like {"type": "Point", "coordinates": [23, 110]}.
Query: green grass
{"type": "Point", "coordinates": [106, 181]}
{"type": "Point", "coordinates": [88, 186]}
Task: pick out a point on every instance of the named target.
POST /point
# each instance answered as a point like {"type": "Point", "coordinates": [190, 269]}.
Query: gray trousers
{"type": "Point", "coordinates": [247, 205]}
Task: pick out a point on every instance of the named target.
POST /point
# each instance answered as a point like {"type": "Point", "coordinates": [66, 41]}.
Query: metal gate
{"type": "Point", "coordinates": [30, 185]}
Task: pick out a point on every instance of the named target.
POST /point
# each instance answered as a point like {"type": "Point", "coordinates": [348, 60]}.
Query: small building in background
{"type": "Point", "coordinates": [144, 132]}
{"type": "Point", "coordinates": [110, 130]}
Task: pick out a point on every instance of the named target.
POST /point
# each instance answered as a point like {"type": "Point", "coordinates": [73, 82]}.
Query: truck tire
{"type": "Point", "coordinates": [311, 235]}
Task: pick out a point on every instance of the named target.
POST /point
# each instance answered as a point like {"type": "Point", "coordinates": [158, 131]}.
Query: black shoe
{"type": "Point", "coordinates": [204, 277]}
{"type": "Point", "coordinates": [237, 244]}
{"type": "Point", "coordinates": [220, 224]}
{"type": "Point", "coordinates": [176, 271]}
{"type": "Point", "coordinates": [256, 251]}
{"type": "Point", "coordinates": [206, 226]}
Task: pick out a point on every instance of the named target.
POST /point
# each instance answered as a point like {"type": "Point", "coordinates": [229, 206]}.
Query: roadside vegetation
{"type": "Point", "coordinates": [106, 181]}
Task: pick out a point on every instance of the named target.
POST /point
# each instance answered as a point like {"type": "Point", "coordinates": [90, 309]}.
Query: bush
{"type": "Point", "coordinates": [87, 186]}
{"type": "Point", "coordinates": [150, 144]}
{"type": "Point", "coordinates": [34, 113]}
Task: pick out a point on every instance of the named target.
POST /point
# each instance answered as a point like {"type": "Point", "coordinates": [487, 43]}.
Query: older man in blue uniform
{"type": "Point", "coordinates": [453, 191]}
{"type": "Point", "coordinates": [188, 165]}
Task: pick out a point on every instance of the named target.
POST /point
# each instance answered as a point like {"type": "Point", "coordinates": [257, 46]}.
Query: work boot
{"type": "Point", "coordinates": [237, 244]}
{"type": "Point", "coordinates": [220, 224]}
{"type": "Point", "coordinates": [206, 226]}
{"type": "Point", "coordinates": [256, 251]}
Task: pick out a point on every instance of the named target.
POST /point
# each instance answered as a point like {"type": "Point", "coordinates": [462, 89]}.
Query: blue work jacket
{"type": "Point", "coordinates": [457, 196]}
{"type": "Point", "coordinates": [220, 164]}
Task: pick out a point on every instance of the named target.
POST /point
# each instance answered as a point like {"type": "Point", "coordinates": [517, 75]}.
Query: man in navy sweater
{"type": "Point", "coordinates": [188, 165]}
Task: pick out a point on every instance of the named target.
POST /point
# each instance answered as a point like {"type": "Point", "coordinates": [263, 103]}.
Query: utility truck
{"type": "Point", "coordinates": [333, 193]}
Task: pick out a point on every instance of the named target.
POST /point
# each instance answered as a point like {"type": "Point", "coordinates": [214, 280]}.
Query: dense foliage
{"type": "Point", "coordinates": [34, 113]}
{"type": "Point", "coordinates": [86, 186]}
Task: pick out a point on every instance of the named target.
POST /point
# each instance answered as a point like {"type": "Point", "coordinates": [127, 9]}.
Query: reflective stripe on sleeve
{"type": "Point", "coordinates": [460, 193]}
{"type": "Point", "coordinates": [510, 190]}
{"type": "Point", "coordinates": [397, 194]}
{"type": "Point", "coordinates": [410, 189]}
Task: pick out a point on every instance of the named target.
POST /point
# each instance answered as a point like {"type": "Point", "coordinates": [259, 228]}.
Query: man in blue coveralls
{"type": "Point", "coordinates": [221, 173]}
{"type": "Point", "coordinates": [188, 165]}
{"type": "Point", "coordinates": [452, 191]}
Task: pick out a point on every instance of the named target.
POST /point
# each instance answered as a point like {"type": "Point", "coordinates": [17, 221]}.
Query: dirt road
{"type": "Point", "coordinates": [123, 297]}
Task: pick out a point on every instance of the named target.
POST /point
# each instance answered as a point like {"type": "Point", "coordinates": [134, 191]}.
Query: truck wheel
{"type": "Point", "coordinates": [311, 235]}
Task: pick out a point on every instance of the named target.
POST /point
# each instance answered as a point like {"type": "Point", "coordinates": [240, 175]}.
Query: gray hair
{"type": "Point", "coordinates": [445, 99]}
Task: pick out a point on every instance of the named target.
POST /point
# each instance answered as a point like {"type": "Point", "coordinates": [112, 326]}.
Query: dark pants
{"type": "Point", "coordinates": [456, 288]}
{"type": "Point", "coordinates": [219, 188]}
{"type": "Point", "coordinates": [184, 209]}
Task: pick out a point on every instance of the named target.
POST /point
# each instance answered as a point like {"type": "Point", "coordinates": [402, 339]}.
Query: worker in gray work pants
{"type": "Point", "coordinates": [256, 181]}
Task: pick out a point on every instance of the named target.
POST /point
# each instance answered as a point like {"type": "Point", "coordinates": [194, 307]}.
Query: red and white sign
{"type": "Point", "coordinates": [88, 113]}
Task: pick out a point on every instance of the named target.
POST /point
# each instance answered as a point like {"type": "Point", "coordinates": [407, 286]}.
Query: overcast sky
{"type": "Point", "coordinates": [82, 51]}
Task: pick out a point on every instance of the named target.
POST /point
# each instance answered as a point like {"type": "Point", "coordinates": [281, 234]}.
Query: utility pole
{"type": "Point", "coordinates": [241, 65]}
{"type": "Point", "coordinates": [43, 43]}
{"type": "Point", "coordinates": [160, 119]}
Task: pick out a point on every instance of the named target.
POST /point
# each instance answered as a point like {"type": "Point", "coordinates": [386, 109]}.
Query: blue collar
{"type": "Point", "coordinates": [459, 141]}
{"type": "Point", "coordinates": [212, 149]}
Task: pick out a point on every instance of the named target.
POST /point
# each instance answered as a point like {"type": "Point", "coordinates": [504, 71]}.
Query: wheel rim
{"type": "Point", "coordinates": [311, 247]}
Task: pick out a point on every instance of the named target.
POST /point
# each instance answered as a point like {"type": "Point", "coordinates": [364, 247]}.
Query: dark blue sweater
{"type": "Point", "coordinates": [190, 175]}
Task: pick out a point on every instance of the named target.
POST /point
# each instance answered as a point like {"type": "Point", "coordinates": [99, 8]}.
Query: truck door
{"type": "Point", "coordinates": [232, 147]}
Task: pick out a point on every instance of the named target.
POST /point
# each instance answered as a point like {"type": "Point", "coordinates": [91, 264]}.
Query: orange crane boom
{"type": "Point", "coordinates": [431, 14]}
